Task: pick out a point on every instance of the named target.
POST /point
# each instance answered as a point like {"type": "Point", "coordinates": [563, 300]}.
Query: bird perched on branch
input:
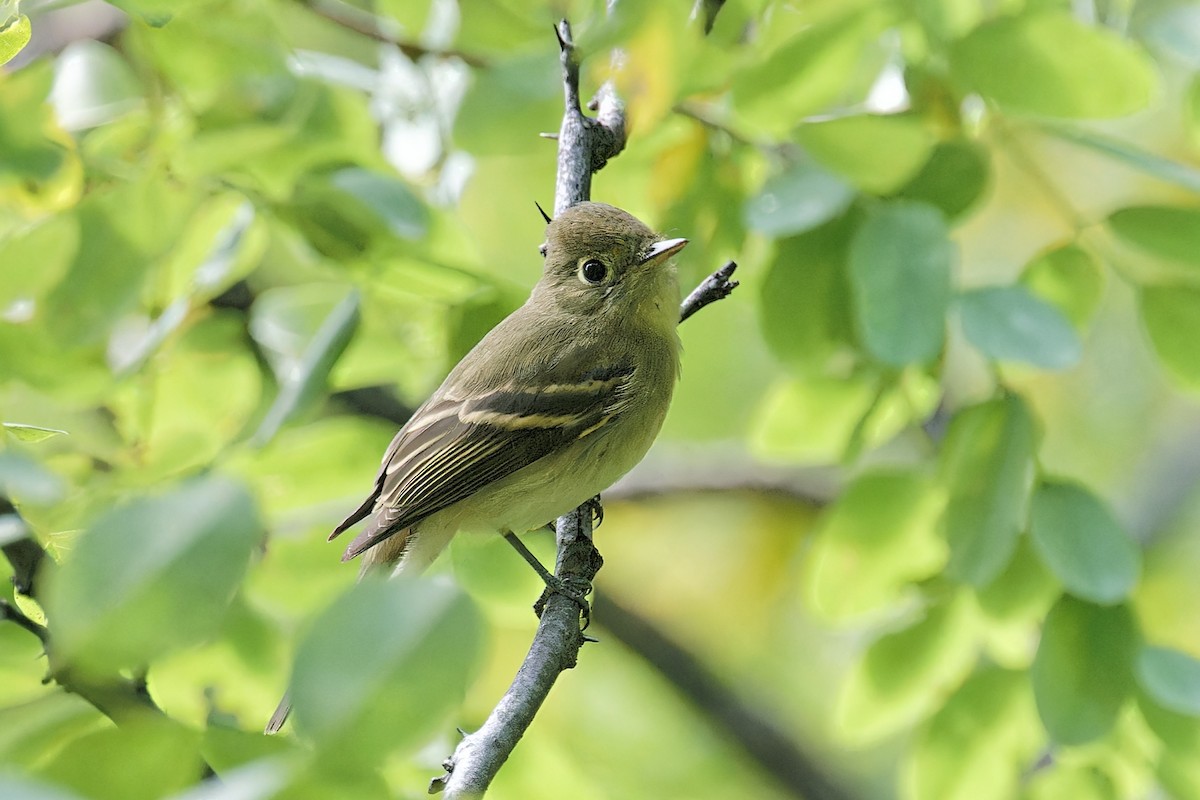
{"type": "Point", "coordinates": [556, 403]}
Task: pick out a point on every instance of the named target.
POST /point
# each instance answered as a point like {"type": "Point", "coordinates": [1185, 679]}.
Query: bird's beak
{"type": "Point", "coordinates": [661, 251]}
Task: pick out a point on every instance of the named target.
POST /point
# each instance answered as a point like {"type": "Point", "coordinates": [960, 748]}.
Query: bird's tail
{"type": "Point", "coordinates": [280, 716]}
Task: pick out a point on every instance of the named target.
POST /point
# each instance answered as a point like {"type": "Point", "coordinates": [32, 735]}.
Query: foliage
{"type": "Point", "coordinates": [968, 231]}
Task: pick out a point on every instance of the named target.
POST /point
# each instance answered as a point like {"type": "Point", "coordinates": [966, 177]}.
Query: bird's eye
{"type": "Point", "coordinates": [593, 271]}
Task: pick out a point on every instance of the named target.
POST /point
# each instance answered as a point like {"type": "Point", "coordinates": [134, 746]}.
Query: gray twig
{"type": "Point", "coordinates": [713, 288]}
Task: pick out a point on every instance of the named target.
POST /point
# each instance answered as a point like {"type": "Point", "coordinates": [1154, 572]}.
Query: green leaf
{"type": "Point", "coordinates": [31, 433]}
{"type": "Point", "coordinates": [876, 153]}
{"type": "Point", "coordinates": [805, 299]}
{"type": "Point", "coordinates": [15, 787]}
{"type": "Point", "coordinates": [1171, 315]}
{"type": "Point", "coordinates": [382, 665]}
{"type": "Point", "coordinates": [953, 178]}
{"type": "Point", "coordinates": [904, 675]}
{"type": "Point", "coordinates": [13, 37]}
{"type": "Point", "coordinates": [1050, 63]}
{"type": "Point", "coordinates": [507, 100]}
{"type": "Point", "coordinates": [42, 252]}
{"type": "Point", "coordinates": [1083, 671]}
{"type": "Point", "coordinates": [977, 745]}
{"type": "Point", "coordinates": [1144, 161]}
{"type": "Point", "coordinates": [1068, 277]}
{"type": "Point", "coordinates": [1009, 323]}
{"type": "Point", "coordinates": [812, 420]}
{"type": "Point", "coordinates": [26, 151]}
{"type": "Point", "coordinates": [1083, 544]}
{"type": "Point", "coordinates": [806, 74]}
{"type": "Point", "coordinates": [93, 85]}
{"type": "Point", "coordinates": [302, 358]}
{"type": "Point", "coordinates": [900, 262]}
{"type": "Point", "coordinates": [1171, 678]}
{"type": "Point", "coordinates": [152, 576]}
{"type": "Point", "coordinates": [98, 764]}
{"type": "Point", "coordinates": [987, 467]}
{"type": "Point", "coordinates": [797, 200]}
{"type": "Point", "coordinates": [26, 481]}
{"type": "Point", "coordinates": [1172, 29]}
{"type": "Point", "coordinates": [1167, 232]}
{"type": "Point", "coordinates": [878, 539]}
{"type": "Point", "coordinates": [385, 197]}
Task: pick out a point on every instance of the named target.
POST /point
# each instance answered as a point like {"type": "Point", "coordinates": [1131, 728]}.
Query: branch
{"type": "Point", "coordinates": [120, 699]}
{"type": "Point", "coordinates": [759, 737]}
{"type": "Point", "coordinates": [585, 144]}
{"type": "Point", "coordinates": [713, 288]}
{"type": "Point", "coordinates": [367, 24]}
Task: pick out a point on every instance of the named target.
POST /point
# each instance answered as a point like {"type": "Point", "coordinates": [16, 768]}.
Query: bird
{"type": "Point", "coordinates": [551, 407]}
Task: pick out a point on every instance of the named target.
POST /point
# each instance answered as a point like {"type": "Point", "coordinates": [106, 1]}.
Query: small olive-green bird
{"type": "Point", "coordinates": [556, 403]}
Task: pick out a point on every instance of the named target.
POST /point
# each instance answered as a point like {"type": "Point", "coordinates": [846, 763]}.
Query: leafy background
{"type": "Point", "coordinates": [927, 497]}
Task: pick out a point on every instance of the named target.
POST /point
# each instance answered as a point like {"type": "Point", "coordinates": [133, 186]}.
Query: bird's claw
{"type": "Point", "coordinates": [574, 589]}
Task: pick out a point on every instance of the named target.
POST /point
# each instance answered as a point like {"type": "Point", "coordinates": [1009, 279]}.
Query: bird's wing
{"type": "Point", "coordinates": [454, 446]}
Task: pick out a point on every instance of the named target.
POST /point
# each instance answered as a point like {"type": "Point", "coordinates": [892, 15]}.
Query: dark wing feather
{"type": "Point", "coordinates": [454, 447]}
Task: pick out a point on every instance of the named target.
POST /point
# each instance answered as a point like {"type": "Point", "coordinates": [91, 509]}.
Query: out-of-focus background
{"type": "Point", "coordinates": [924, 514]}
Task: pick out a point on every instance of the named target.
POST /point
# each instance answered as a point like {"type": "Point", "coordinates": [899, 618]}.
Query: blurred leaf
{"type": "Point", "coordinates": [876, 153]}
{"type": "Point", "coordinates": [205, 386]}
{"type": "Point", "coordinates": [93, 85]}
{"type": "Point", "coordinates": [39, 256]}
{"type": "Point", "coordinates": [1023, 592]}
{"type": "Point", "coordinates": [126, 230]}
{"type": "Point", "coordinates": [384, 197]}
{"type": "Point", "coordinates": [1083, 672]}
{"type": "Point", "coordinates": [1171, 28]}
{"type": "Point", "coordinates": [300, 378]}
{"type": "Point", "coordinates": [1009, 323]}
{"type": "Point", "coordinates": [381, 667]}
{"type": "Point", "coordinates": [15, 787]}
{"type": "Point", "coordinates": [1077, 781]}
{"type": "Point", "coordinates": [1142, 160]}
{"type": "Point", "coordinates": [222, 243]}
{"type": "Point", "coordinates": [1171, 315]}
{"type": "Point", "coordinates": [987, 467]}
{"type": "Point", "coordinates": [14, 35]}
{"type": "Point", "coordinates": [31, 433]}
{"type": "Point", "coordinates": [806, 74]}
{"type": "Point", "coordinates": [257, 781]}
{"type": "Point", "coordinates": [1050, 63]}
{"type": "Point", "coordinates": [797, 200]}
{"type": "Point", "coordinates": [151, 576]}
{"type": "Point", "coordinates": [977, 745]}
{"type": "Point", "coordinates": [26, 481]}
{"type": "Point", "coordinates": [1083, 544]}
{"type": "Point", "coordinates": [1191, 112]}
{"type": "Point", "coordinates": [900, 261]}
{"type": "Point", "coordinates": [226, 749]}
{"type": "Point", "coordinates": [1171, 678]}
{"type": "Point", "coordinates": [1168, 232]}
{"type": "Point", "coordinates": [510, 102]}
{"type": "Point", "coordinates": [26, 149]}
{"type": "Point", "coordinates": [32, 732]}
{"type": "Point", "coordinates": [1070, 278]}
{"type": "Point", "coordinates": [952, 179]}
{"type": "Point", "coordinates": [98, 764]}
{"type": "Point", "coordinates": [878, 538]}
{"type": "Point", "coordinates": [348, 212]}
{"type": "Point", "coordinates": [904, 675]}
{"type": "Point", "coordinates": [810, 420]}
{"type": "Point", "coordinates": [805, 299]}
